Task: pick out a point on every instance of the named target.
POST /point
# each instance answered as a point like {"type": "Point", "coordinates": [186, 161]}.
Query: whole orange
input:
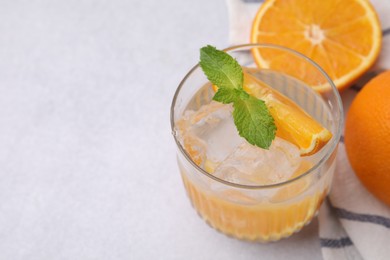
{"type": "Point", "coordinates": [367, 136]}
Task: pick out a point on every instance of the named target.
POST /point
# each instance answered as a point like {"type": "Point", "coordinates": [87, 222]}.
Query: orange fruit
{"type": "Point", "coordinates": [293, 124]}
{"type": "Point", "coordinates": [343, 37]}
{"type": "Point", "coordinates": [367, 136]}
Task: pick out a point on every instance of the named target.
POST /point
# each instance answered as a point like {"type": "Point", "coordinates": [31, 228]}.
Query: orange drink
{"type": "Point", "coordinates": [238, 188]}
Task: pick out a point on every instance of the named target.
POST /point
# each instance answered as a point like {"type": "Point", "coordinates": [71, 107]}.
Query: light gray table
{"type": "Point", "coordinates": [88, 166]}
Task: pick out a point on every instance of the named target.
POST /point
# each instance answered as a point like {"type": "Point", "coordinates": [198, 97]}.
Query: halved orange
{"type": "Point", "coordinates": [293, 123]}
{"type": "Point", "coordinates": [342, 36]}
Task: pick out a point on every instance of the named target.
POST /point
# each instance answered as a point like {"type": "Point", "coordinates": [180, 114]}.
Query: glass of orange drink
{"type": "Point", "coordinates": [242, 190]}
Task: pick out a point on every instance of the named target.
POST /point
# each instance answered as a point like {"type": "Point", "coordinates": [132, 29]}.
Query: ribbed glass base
{"type": "Point", "coordinates": [263, 222]}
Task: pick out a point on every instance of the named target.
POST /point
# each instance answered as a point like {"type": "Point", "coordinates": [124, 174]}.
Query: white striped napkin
{"type": "Point", "coordinates": [353, 224]}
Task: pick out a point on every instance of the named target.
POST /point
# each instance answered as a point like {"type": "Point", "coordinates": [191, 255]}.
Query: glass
{"type": "Point", "coordinates": [273, 211]}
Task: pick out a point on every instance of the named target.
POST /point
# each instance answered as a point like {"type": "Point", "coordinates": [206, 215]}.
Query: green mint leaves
{"type": "Point", "coordinates": [220, 68]}
{"type": "Point", "coordinates": [251, 116]}
{"type": "Point", "coordinates": [254, 122]}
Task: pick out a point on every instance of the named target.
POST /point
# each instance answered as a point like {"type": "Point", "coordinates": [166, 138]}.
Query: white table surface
{"type": "Point", "coordinates": [88, 167]}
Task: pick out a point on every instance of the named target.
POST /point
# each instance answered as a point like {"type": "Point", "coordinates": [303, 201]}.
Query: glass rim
{"type": "Point", "coordinates": [331, 147]}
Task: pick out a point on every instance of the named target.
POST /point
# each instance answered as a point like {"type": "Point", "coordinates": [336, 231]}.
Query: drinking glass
{"type": "Point", "coordinates": [266, 212]}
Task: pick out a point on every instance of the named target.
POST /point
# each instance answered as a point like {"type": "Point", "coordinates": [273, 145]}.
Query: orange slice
{"type": "Point", "coordinates": [342, 36]}
{"type": "Point", "coordinates": [293, 123]}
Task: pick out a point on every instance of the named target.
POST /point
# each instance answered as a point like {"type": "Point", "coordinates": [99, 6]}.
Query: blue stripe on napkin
{"type": "Point", "coordinates": [252, 1]}
{"type": "Point", "coordinates": [356, 88]}
{"type": "Point", "coordinates": [374, 219]}
{"type": "Point", "coordinates": [386, 32]}
{"type": "Point", "coordinates": [336, 243]}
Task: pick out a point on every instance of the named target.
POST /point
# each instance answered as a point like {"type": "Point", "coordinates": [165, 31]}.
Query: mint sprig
{"type": "Point", "coordinates": [251, 116]}
{"type": "Point", "coordinates": [220, 68]}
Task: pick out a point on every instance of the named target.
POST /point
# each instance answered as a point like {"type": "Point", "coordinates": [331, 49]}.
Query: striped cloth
{"type": "Point", "coordinates": [353, 224]}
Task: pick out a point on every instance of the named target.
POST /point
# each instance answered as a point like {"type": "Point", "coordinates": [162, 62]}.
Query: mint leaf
{"type": "Point", "coordinates": [221, 68]}
{"type": "Point", "coordinates": [227, 95]}
{"type": "Point", "coordinates": [254, 122]}
{"type": "Point", "coordinates": [251, 116]}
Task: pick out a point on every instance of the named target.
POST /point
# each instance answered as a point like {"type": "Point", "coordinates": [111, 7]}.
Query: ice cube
{"type": "Point", "coordinates": [210, 131]}
{"type": "Point", "coordinates": [251, 165]}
